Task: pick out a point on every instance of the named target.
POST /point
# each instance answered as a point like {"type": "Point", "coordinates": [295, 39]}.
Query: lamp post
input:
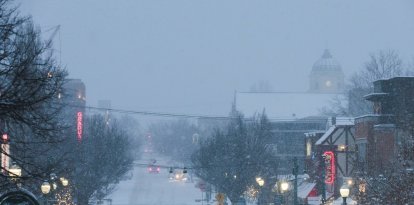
{"type": "Point", "coordinates": [260, 182]}
{"type": "Point", "coordinates": [281, 187]}
{"type": "Point", "coordinates": [45, 188]}
{"type": "Point", "coordinates": [344, 193]}
{"type": "Point", "coordinates": [50, 187]}
{"type": "Point", "coordinates": [295, 173]}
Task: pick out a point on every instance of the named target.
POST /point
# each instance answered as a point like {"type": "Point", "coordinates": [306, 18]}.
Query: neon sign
{"type": "Point", "coordinates": [5, 159]}
{"type": "Point", "coordinates": [330, 167]}
{"type": "Point", "coordinates": [79, 125]}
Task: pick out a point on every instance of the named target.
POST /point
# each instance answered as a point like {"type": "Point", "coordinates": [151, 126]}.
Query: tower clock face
{"type": "Point", "coordinates": [328, 83]}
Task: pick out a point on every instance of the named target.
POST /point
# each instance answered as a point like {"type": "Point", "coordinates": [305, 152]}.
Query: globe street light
{"type": "Point", "coordinates": [45, 187]}
{"type": "Point", "coordinates": [344, 193]}
{"type": "Point", "coordinates": [284, 186]}
{"type": "Point", "coordinates": [48, 187]}
{"type": "Point", "coordinates": [64, 181]}
{"type": "Point", "coordinates": [260, 181]}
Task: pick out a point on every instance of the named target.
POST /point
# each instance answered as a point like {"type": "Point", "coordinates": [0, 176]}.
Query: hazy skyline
{"type": "Point", "coordinates": [189, 56]}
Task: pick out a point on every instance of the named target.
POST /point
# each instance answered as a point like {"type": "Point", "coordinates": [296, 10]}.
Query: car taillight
{"type": "Point", "coordinates": [158, 169]}
{"type": "Point", "coordinates": [149, 169]}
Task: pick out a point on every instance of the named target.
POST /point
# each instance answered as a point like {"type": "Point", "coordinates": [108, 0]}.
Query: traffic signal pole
{"type": "Point", "coordinates": [295, 173]}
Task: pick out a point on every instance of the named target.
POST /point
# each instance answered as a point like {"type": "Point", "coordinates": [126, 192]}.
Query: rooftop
{"type": "Point", "coordinates": [284, 105]}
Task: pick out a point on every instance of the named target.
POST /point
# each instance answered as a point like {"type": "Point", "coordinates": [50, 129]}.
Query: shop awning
{"type": "Point", "coordinates": [305, 189]}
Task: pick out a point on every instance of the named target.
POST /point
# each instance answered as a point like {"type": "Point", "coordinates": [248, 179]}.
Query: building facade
{"type": "Point", "coordinates": [380, 135]}
{"type": "Point", "coordinates": [73, 98]}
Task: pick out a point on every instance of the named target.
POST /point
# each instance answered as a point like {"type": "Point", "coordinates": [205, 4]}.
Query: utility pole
{"type": "Point", "coordinates": [295, 173]}
{"type": "Point", "coordinates": [322, 181]}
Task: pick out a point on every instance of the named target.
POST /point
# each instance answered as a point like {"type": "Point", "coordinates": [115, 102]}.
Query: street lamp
{"type": "Point", "coordinates": [284, 186]}
{"type": "Point", "coordinates": [45, 187]}
{"type": "Point", "coordinates": [344, 193]}
{"type": "Point", "coordinates": [51, 185]}
{"type": "Point", "coordinates": [260, 181]}
{"type": "Point", "coordinates": [64, 181]}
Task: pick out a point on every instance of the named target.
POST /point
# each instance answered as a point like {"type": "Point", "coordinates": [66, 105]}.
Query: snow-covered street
{"type": "Point", "coordinates": [154, 188]}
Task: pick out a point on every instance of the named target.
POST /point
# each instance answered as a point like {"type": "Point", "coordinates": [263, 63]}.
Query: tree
{"type": "Point", "coordinates": [383, 64]}
{"type": "Point", "coordinates": [29, 83]}
{"type": "Point", "coordinates": [103, 158]}
{"type": "Point", "coordinates": [174, 138]}
{"type": "Point", "coordinates": [133, 129]}
{"type": "Point", "coordinates": [232, 159]}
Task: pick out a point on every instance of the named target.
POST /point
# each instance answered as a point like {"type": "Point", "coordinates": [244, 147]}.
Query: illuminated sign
{"type": "Point", "coordinates": [5, 159]}
{"type": "Point", "coordinates": [79, 125]}
{"type": "Point", "coordinates": [330, 167]}
{"type": "Point", "coordinates": [5, 137]}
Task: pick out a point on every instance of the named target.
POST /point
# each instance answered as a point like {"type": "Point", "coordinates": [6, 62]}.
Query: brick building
{"type": "Point", "coordinates": [73, 97]}
{"type": "Point", "coordinates": [379, 135]}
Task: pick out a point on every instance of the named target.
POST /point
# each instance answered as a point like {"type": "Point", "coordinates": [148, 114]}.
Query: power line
{"type": "Point", "coordinates": [227, 165]}
{"type": "Point", "coordinates": [195, 116]}
{"type": "Point", "coordinates": [161, 114]}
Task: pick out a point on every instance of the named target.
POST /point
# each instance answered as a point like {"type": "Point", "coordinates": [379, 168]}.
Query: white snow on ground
{"type": "Point", "coordinates": [154, 189]}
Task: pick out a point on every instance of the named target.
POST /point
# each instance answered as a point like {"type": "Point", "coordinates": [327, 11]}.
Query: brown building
{"type": "Point", "coordinates": [73, 98]}
{"type": "Point", "coordinates": [379, 135]}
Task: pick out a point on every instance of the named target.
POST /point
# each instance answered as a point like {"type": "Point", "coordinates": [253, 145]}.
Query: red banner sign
{"type": "Point", "coordinates": [80, 125]}
{"type": "Point", "coordinates": [330, 167]}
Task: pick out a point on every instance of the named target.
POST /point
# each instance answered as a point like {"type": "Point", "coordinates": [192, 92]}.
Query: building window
{"type": "Point", "coordinates": [308, 148]}
{"type": "Point", "coordinates": [272, 148]}
{"type": "Point", "coordinates": [362, 150]}
{"type": "Point", "coordinates": [377, 107]}
{"type": "Point", "coordinates": [328, 83]}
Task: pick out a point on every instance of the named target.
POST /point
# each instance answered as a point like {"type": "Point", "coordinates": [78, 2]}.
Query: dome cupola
{"type": "Point", "coordinates": [326, 75]}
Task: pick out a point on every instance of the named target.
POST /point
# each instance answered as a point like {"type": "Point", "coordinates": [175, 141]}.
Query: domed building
{"type": "Point", "coordinates": [326, 75]}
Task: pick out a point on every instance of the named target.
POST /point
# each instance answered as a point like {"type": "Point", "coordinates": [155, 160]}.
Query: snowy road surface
{"type": "Point", "coordinates": [154, 189]}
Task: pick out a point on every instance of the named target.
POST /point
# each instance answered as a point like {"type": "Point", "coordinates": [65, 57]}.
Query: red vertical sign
{"type": "Point", "coordinates": [79, 126]}
{"type": "Point", "coordinates": [330, 167]}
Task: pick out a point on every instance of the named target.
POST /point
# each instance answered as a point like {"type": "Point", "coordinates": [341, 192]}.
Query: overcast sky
{"type": "Point", "coordinates": [188, 56]}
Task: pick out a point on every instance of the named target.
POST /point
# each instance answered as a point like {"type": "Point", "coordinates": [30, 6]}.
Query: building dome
{"type": "Point", "coordinates": [326, 63]}
{"type": "Point", "coordinates": [326, 75]}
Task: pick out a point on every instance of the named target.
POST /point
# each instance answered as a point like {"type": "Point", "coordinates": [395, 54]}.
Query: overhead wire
{"type": "Point", "coordinates": [201, 116]}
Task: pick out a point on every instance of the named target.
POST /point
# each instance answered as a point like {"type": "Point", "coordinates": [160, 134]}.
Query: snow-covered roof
{"type": "Point", "coordinates": [375, 96]}
{"type": "Point", "coordinates": [343, 121]}
{"type": "Point", "coordinates": [333, 131]}
{"type": "Point", "coordinates": [284, 105]}
{"type": "Point", "coordinates": [326, 135]}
